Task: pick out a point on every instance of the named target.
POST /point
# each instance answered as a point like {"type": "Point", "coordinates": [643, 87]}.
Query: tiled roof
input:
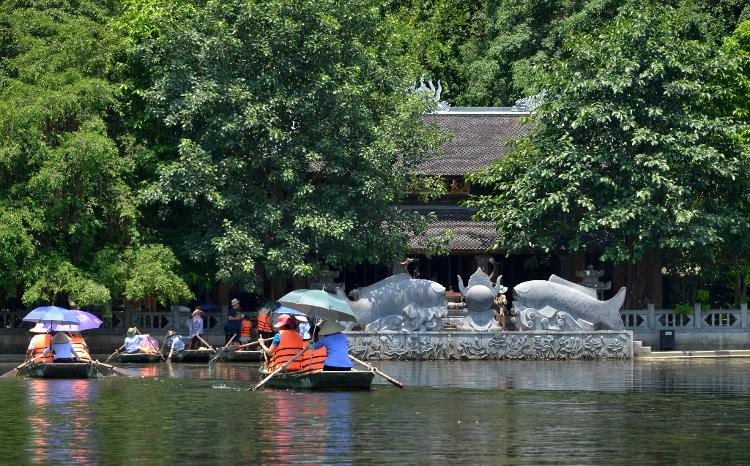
{"type": "Point", "coordinates": [478, 139]}
{"type": "Point", "coordinates": [471, 236]}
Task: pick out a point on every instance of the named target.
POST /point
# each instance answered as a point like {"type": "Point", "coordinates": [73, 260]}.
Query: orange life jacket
{"type": "Point", "coordinates": [80, 347]}
{"type": "Point", "coordinates": [245, 327]}
{"type": "Point", "coordinates": [41, 343]}
{"type": "Point", "coordinates": [313, 359]}
{"type": "Point", "coordinates": [264, 323]}
{"type": "Point", "coordinates": [291, 343]}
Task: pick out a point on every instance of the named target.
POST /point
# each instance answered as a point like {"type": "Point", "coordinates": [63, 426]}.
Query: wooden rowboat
{"type": "Point", "coordinates": [324, 380]}
{"type": "Point", "coordinates": [243, 356]}
{"type": "Point", "coordinates": [64, 370]}
{"type": "Point", "coordinates": [138, 357]}
{"type": "Point", "coordinates": [191, 355]}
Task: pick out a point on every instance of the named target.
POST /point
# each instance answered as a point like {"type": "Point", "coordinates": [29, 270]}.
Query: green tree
{"type": "Point", "coordinates": [297, 132]}
{"type": "Point", "coordinates": [513, 41]}
{"type": "Point", "coordinates": [632, 152]}
{"type": "Point", "coordinates": [66, 191]}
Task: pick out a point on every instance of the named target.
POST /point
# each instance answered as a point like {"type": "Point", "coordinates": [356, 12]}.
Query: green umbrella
{"type": "Point", "coordinates": [318, 303]}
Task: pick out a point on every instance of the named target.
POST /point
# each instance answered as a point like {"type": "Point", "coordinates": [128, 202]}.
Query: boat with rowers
{"type": "Point", "coordinates": [321, 380]}
{"type": "Point", "coordinates": [65, 370]}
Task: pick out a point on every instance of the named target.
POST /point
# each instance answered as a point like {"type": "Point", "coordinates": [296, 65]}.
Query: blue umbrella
{"type": "Point", "coordinates": [52, 315]}
{"type": "Point", "coordinates": [286, 310]}
{"type": "Point", "coordinates": [319, 303]}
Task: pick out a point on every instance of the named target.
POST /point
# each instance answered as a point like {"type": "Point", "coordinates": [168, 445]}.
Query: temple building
{"type": "Point", "coordinates": [480, 136]}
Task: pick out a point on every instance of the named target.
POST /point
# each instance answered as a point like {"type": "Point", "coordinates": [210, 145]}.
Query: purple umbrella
{"type": "Point", "coordinates": [87, 321]}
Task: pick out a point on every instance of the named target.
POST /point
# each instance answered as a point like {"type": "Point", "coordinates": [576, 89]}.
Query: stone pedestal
{"type": "Point", "coordinates": [528, 345]}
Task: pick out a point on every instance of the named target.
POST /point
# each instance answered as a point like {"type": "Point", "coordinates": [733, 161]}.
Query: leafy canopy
{"type": "Point", "coordinates": [296, 132]}
{"type": "Point", "coordinates": [632, 150]}
{"type": "Point", "coordinates": [65, 187]}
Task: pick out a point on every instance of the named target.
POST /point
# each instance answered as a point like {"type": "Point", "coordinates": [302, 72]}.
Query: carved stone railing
{"type": "Point", "coordinates": [715, 319]}
{"type": "Point", "coordinates": [529, 345]}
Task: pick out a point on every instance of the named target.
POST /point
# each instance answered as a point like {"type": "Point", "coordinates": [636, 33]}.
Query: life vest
{"type": "Point", "coordinates": [264, 323]}
{"type": "Point", "coordinates": [313, 359]}
{"type": "Point", "coordinates": [291, 343]}
{"type": "Point", "coordinates": [80, 347]}
{"type": "Point", "coordinates": [245, 327]}
{"type": "Point", "coordinates": [41, 343]}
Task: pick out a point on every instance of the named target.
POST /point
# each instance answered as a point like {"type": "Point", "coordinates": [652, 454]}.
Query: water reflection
{"type": "Point", "coordinates": [60, 423]}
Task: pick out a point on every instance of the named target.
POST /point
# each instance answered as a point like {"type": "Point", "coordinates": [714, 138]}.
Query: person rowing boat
{"type": "Point", "coordinates": [330, 337]}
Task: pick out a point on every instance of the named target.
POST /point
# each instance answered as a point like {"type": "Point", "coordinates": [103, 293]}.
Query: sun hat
{"type": "Point", "coordinates": [234, 301]}
{"type": "Point", "coordinates": [60, 337]}
{"type": "Point", "coordinates": [330, 327]}
{"type": "Point", "coordinates": [131, 331]}
{"type": "Point", "coordinates": [286, 319]}
{"type": "Point", "coordinates": [39, 328]}
{"type": "Point", "coordinates": [170, 333]}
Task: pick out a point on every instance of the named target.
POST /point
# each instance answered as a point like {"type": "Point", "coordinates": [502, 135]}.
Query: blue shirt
{"type": "Point", "coordinates": [196, 326]}
{"type": "Point", "coordinates": [133, 344]}
{"type": "Point", "coordinates": [276, 340]}
{"type": "Point", "coordinates": [233, 325]}
{"type": "Point", "coordinates": [179, 345]}
{"type": "Point", "coordinates": [337, 347]}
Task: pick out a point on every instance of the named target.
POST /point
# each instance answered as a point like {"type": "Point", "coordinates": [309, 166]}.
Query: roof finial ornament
{"type": "Point", "coordinates": [434, 94]}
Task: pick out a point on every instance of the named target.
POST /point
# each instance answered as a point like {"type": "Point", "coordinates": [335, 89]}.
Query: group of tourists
{"type": "Point", "coordinates": [60, 347]}
{"type": "Point", "coordinates": [290, 340]}
{"type": "Point", "coordinates": [289, 336]}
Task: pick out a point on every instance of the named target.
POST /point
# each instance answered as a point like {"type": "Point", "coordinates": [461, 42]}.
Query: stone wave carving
{"type": "Point", "coordinates": [528, 345]}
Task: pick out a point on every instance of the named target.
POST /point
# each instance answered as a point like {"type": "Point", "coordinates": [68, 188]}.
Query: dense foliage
{"type": "Point", "coordinates": [148, 145]}
{"type": "Point", "coordinates": [297, 133]}
{"type": "Point", "coordinates": [65, 194]}
{"type": "Point", "coordinates": [633, 150]}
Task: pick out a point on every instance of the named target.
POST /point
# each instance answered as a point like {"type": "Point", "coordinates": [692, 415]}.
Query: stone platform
{"type": "Point", "coordinates": [527, 345]}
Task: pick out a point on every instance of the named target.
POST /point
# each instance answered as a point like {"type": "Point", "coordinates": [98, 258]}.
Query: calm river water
{"type": "Point", "coordinates": [484, 412]}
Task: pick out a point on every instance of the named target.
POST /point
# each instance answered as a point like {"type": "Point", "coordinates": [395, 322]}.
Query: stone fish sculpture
{"type": "Point", "coordinates": [558, 304]}
{"type": "Point", "coordinates": [479, 294]}
{"type": "Point", "coordinates": [399, 303]}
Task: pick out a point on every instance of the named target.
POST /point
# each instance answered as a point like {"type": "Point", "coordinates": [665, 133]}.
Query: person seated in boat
{"type": "Point", "coordinates": [132, 342]}
{"type": "Point", "coordinates": [62, 348]}
{"type": "Point", "coordinates": [39, 343]}
{"type": "Point", "coordinates": [265, 330]}
{"type": "Point", "coordinates": [329, 336]}
{"type": "Point", "coordinates": [174, 342]}
{"type": "Point", "coordinates": [304, 328]}
{"type": "Point", "coordinates": [285, 345]}
{"type": "Point", "coordinates": [80, 346]}
{"type": "Point", "coordinates": [246, 329]}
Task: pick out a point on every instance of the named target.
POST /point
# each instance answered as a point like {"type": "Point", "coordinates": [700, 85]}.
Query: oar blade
{"type": "Point", "coordinates": [10, 374]}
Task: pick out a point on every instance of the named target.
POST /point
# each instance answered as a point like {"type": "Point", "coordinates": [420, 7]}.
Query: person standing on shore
{"type": "Point", "coordinates": [233, 320]}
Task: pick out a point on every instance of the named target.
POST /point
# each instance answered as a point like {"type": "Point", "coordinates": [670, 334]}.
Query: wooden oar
{"type": "Point", "coordinates": [112, 355]}
{"type": "Point", "coordinates": [13, 372]}
{"type": "Point", "coordinates": [113, 368]}
{"type": "Point", "coordinates": [206, 343]}
{"type": "Point", "coordinates": [377, 371]}
{"type": "Point", "coordinates": [161, 350]}
{"type": "Point", "coordinates": [222, 349]}
{"type": "Point", "coordinates": [171, 349]}
{"type": "Point", "coordinates": [282, 367]}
